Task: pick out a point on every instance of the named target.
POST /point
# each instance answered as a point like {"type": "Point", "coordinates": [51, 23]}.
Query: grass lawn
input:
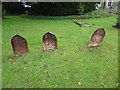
{"type": "Point", "coordinates": [1, 54]}
{"type": "Point", "coordinates": [72, 65]}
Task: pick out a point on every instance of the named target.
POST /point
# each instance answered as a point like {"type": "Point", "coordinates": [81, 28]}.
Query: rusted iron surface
{"type": "Point", "coordinates": [19, 45]}
{"type": "Point", "coordinates": [49, 41]}
{"type": "Point", "coordinates": [97, 37]}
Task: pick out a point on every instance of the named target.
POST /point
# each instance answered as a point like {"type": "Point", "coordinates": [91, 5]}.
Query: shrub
{"type": "Point", "coordinates": [59, 17]}
{"type": "Point", "coordinates": [12, 8]}
{"type": "Point", "coordinates": [53, 9]}
{"type": "Point", "coordinates": [60, 8]}
{"type": "Point", "coordinates": [119, 22]}
{"type": "Point", "coordinates": [117, 25]}
{"type": "Point", "coordinates": [99, 14]}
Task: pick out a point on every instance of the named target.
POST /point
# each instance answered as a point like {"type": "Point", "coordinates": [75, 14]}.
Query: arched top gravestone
{"type": "Point", "coordinates": [49, 41]}
{"type": "Point", "coordinates": [19, 45]}
{"type": "Point", "coordinates": [97, 37]}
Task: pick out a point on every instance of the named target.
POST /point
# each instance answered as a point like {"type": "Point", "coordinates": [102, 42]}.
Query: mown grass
{"type": "Point", "coordinates": [1, 54]}
{"type": "Point", "coordinates": [72, 65]}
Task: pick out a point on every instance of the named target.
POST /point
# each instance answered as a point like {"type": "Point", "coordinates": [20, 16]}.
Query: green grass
{"type": "Point", "coordinates": [0, 55]}
{"type": "Point", "coordinates": [72, 63]}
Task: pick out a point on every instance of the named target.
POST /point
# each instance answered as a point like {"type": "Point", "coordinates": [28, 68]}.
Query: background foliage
{"type": "Point", "coordinates": [12, 8]}
{"type": "Point", "coordinates": [50, 8]}
{"type": "Point", "coordinates": [93, 14]}
{"type": "Point", "coordinates": [61, 9]}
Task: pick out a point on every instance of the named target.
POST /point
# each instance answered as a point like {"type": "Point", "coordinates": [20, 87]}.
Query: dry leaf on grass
{"type": "Point", "coordinates": [80, 84]}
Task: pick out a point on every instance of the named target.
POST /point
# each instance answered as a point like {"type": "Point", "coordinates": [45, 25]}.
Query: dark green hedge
{"type": "Point", "coordinates": [12, 8]}
{"type": "Point", "coordinates": [49, 8]}
{"type": "Point", "coordinates": [61, 8]}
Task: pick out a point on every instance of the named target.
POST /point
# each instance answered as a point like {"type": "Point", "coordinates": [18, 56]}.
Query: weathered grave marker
{"type": "Point", "coordinates": [19, 45]}
{"type": "Point", "coordinates": [81, 24]}
{"type": "Point", "coordinates": [49, 41]}
{"type": "Point", "coordinates": [97, 37]}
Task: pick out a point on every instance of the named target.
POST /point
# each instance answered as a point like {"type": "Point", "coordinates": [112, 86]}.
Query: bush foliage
{"type": "Point", "coordinates": [12, 8]}
{"type": "Point", "coordinates": [60, 9]}
{"type": "Point", "coordinates": [93, 14]}
{"type": "Point", "coordinates": [99, 13]}
{"type": "Point", "coordinates": [49, 8]}
{"type": "Point", "coordinates": [119, 21]}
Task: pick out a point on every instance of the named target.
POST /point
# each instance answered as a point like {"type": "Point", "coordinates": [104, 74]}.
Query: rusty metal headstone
{"type": "Point", "coordinates": [49, 41]}
{"type": "Point", "coordinates": [19, 45]}
{"type": "Point", "coordinates": [97, 37]}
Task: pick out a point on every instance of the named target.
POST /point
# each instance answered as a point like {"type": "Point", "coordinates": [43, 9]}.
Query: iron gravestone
{"type": "Point", "coordinates": [97, 37]}
{"type": "Point", "coordinates": [19, 45]}
{"type": "Point", "coordinates": [49, 41]}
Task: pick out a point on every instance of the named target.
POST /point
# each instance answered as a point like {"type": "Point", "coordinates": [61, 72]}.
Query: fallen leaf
{"type": "Point", "coordinates": [24, 68]}
{"type": "Point", "coordinates": [79, 83]}
{"type": "Point", "coordinates": [28, 80]}
{"type": "Point", "coordinates": [25, 62]}
{"type": "Point", "coordinates": [13, 62]}
{"type": "Point", "coordinates": [44, 80]}
{"type": "Point", "coordinates": [49, 76]}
